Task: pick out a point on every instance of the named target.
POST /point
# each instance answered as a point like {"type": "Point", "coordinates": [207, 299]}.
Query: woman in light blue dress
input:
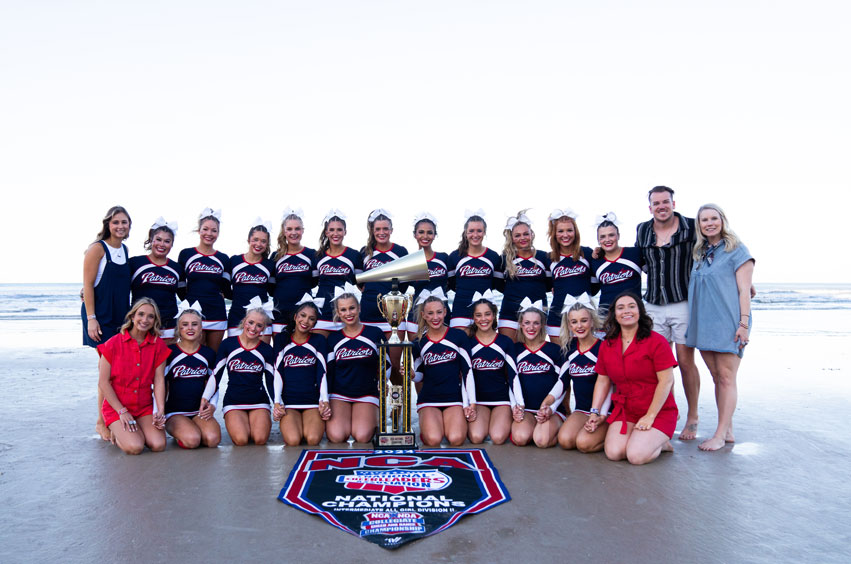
{"type": "Point", "coordinates": [719, 301]}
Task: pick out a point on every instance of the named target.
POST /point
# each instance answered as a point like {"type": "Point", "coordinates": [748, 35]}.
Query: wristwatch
{"type": "Point", "coordinates": [595, 411]}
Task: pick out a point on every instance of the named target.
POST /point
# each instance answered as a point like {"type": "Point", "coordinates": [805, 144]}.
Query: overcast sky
{"type": "Point", "coordinates": [168, 107]}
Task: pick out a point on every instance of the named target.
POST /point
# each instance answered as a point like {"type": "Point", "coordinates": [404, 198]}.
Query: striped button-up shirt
{"type": "Point", "coordinates": [668, 267]}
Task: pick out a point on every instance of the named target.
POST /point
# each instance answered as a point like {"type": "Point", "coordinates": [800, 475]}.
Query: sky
{"type": "Point", "coordinates": [167, 107]}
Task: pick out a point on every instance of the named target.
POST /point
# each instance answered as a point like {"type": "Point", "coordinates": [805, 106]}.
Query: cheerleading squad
{"type": "Point", "coordinates": [302, 339]}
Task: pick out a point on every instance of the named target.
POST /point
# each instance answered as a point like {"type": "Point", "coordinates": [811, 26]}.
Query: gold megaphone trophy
{"type": "Point", "coordinates": [395, 306]}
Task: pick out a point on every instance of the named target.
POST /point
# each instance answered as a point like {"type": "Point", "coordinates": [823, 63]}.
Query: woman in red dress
{"type": "Point", "coordinates": [639, 362]}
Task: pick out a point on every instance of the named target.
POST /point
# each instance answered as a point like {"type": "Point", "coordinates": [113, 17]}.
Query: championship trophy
{"type": "Point", "coordinates": [395, 306]}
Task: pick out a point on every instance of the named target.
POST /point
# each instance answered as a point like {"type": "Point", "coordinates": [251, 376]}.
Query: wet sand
{"type": "Point", "coordinates": [778, 495]}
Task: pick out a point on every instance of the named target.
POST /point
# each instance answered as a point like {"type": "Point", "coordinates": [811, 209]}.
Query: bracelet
{"type": "Point", "coordinates": [92, 316]}
{"type": "Point", "coordinates": [122, 411]}
{"type": "Point", "coordinates": [595, 411]}
{"type": "Point", "coordinates": [744, 325]}
{"type": "Point", "coordinates": [745, 315]}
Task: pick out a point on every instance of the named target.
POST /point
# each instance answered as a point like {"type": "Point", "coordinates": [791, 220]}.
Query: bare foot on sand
{"type": "Point", "coordinates": [101, 429]}
{"type": "Point", "coordinates": [711, 444]}
{"type": "Point", "coordinates": [689, 432]}
{"type": "Point", "coordinates": [667, 447]}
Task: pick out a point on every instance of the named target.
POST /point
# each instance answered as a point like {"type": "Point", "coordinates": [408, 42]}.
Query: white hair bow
{"type": "Point", "coordinates": [257, 303]}
{"type": "Point", "coordinates": [298, 212]}
{"type": "Point", "coordinates": [308, 298]}
{"type": "Point", "coordinates": [207, 212]}
{"type": "Point", "coordinates": [479, 212]}
{"type": "Point", "coordinates": [426, 294]}
{"type": "Point", "coordinates": [260, 222]}
{"type": "Point", "coordinates": [160, 222]}
{"type": "Point", "coordinates": [489, 295]}
{"type": "Point", "coordinates": [570, 301]}
{"type": "Point", "coordinates": [334, 212]}
{"type": "Point", "coordinates": [567, 212]}
{"type": "Point", "coordinates": [527, 304]}
{"type": "Point", "coordinates": [610, 216]}
{"type": "Point", "coordinates": [380, 211]}
{"type": "Point", "coordinates": [424, 216]}
{"type": "Point", "coordinates": [514, 220]}
{"type": "Point", "coordinates": [347, 288]}
{"type": "Point", "coordinates": [185, 305]}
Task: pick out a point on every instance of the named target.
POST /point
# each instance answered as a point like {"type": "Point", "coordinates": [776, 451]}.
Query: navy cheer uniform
{"type": "Point", "coordinates": [150, 280]}
{"type": "Point", "coordinates": [570, 278]}
{"type": "Point", "coordinates": [206, 279]}
{"type": "Point", "coordinates": [300, 374]}
{"type": "Point", "coordinates": [617, 276]}
{"type": "Point", "coordinates": [438, 277]}
{"type": "Point", "coordinates": [579, 369]}
{"type": "Point", "coordinates": [248, 280]}
{"type": "Point", "coordinates": [187, 377]}
{"type": "Point", "coordinates": [468, 275]}
{"type": "Point", "coordinates": [294, 277]}
{"type": "Point", "coordinates": [537, 373]}
{"type": "Point", "coordinates": [112, 294]}
{"type": "Point", "coordinates": [494, 370]}
{"type": "Point", "coordinates": [250, 374]}
{"type": "Point", "coordinates": [444, 368]}
{"type": "Point", "coordinates": [353, 365]}
{"type": "Point", "coordinates": [369, 301]}
{"type": "Point", "coordinates": [532, 280]}
{"type": "Point", "coordinates": [331, 272]}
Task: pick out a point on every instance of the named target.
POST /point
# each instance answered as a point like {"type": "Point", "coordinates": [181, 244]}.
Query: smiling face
{"type": "Point", "coordinates": [710, 223]}
{"type": "Point", "coordinates": [348, 310]}
{"type": "Point", "coordinates": [475, 233]}
{"type": "Point", "coordinates": [662, 206]}
{"type": "Point", "coordinates": [521, 237]}
{"type": "Point", "coordinates": [626, 312]}
{"type": "Point", "coordinates": [258, 242]}
{"type": "Point", "coordinates": [565, 234]}
{"type": "Point", "coordinates": [608, 237]}
{"type": "Point", "coordinates": [381, 230]}
{"type": "Point", "coordinates": [305, 320]}
{"type": "Point", "coordinates": [144, 318]}
{"type": "Point", "coordinates": [580, 323]}
{"type": "Point", "coordinates": [209, 232]}
{"type": "Point", "coordinates": [189, 327]}
{"type": "Point", "coordinates": [293, 231]}
{"type": "Point", "coordinates": [335, 232]}
{"type": "Point", "coordinates": [424, 234]}
{"type": "Point", "coordinates": [434, 314]}
{"type": "Point", "coordinates": [161, 244]}
{"type": "Point", "coordinates": [531, 325]}
{"type": "Point", "coordinates": [119, 226]}
{"type": "Point", "coordinates": [253, 325]}
{"type": "Point", "coordinates": [484, 318]}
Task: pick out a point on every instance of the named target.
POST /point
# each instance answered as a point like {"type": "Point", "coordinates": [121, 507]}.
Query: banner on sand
{"type": "Point", "coordinates": [391, 497]}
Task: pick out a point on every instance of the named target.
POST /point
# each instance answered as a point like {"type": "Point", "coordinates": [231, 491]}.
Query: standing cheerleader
{"type": "Point", "coordinates": [526, 271]}
{"type": "Point", "coordinates": [251, 276]}
{"type": "Point", "coordinates": [570, 266]}
{"type": "Point", "coordinates": [156, 276]}
{"type": "Point", "coordinates": [301, 390]}
{"type": "Point", "coordinates": [618, 269]}
{"type": "Point", "coordinates": [580, 348]}
{"type": "Point", "coordinates": [353, 371]}
{"type": "Point", "coordinates": [106, 288]}
{"type": "Point", "coordinates": [442, 364]}
{"type": "Point", "coordinates": [206, 277]}
{"type": "Point", "coordinates": [294, 274]}
{"type": "Point", "coordinates": [494, 369]}
{"type": "Point", "coordinates": [472, 268]}
{"type": "Point", "coordinates": [425, 231]}
{"type": "Point", "coordinates": [378, 252]}
{"type": "Point", "coordinates": [334, 266]}
{"type": "Point", "coordinates": [538, 368]}
{"type": "Point", "coordinates": [188, 375]}
{"type": "Point", "coordinates": [130, 364]}
{"type": "Point", "coordinates": [250, 364]}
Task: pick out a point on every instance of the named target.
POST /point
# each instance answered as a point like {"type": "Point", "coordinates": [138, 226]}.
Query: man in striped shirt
{"type": "Point", "coordinates": [667, 241]}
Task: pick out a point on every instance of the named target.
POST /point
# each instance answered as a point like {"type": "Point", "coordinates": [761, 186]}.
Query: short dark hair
{"type": "Point", "coordinates": [657, 189]}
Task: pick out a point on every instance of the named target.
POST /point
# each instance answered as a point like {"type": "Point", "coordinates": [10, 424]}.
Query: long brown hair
{"type": "Point", "coordinates": [283, 246]}
{"type": "Point", "coordinates": [369, 248]}
{"type": "Point", "coordinates": [645, 322]}
{"type": "Point", "coordinates": [464, 244]}
{"type": "Point", "coordinates": [472, 329]}
{"type": "Point", "coordinates": [324, 241]}
{"type": "Point", "coordinates": [262, 229]}
{"type": "Point", "coordinates": [575, 250]}
{"type": "Point", "coordinates": [110, 213]}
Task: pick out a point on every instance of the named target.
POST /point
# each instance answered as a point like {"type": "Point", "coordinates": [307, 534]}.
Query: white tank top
{"type": "Point", "coordinates": [118, 256]}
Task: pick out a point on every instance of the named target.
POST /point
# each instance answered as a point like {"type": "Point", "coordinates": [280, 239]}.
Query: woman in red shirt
{"type": "Point", "coordinates": [130, 363]}
{"type": "Point", "coordinates": [639, 362]}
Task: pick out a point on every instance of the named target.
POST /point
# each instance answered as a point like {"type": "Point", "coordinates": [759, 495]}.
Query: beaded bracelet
{"type": "Point", "coordinates": [122, 411]}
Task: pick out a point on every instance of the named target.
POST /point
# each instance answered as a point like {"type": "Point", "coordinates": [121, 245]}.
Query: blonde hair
{"type": "Point", "coordinates": [369, 248]}
{"type": "Point", "coordinates": [128, 319]}
{"type": "Point", "coordinates": [345, 296]}
{"type": "Point", "coordinates": [266, 319]}
{"type": "Point", "coordinates": [283, 246]}
{"type": "Point", "coordinates": [728, 236]}
{"type": "Point", "coordinates": [565, 334]}
{"type": "Point", "coordinates": [421, 322]}
{"type": "Point", "coordinates": [110, 213]}
{"type": "Point", "coordinates": [179, 317]}
{"type": "Point", "coordinates": [521, 335]}
{"type": "Point", "coordinates": [509, 251]}
{"type": "Point", "coordinates": [575, 250]}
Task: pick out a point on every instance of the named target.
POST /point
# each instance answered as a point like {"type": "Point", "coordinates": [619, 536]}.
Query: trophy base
{"type": "Point", "coordinates": [394, 441]}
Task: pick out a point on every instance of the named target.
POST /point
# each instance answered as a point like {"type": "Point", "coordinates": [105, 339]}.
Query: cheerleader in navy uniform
{"type": "Point", "coordinates": [250, 364]}
{"type": "Point", "coordinates": [156, 276]}
{"type": "Point", "coordinates": [294, 274]}
{"type": "Point", "coordinates": [251, 276]}
{"type": "Point", "coordinates": [379, 250]}
{"type": "Point", "coordinates": [352, 371]}
{"type": "Point", "coordinates": [188, 374]}
{"type": "Point", "coordinates": [425, 231]}
{"type": "Point", "coordinates": [538, 368]}
{"type": "Point", "coordinates": [570, 266]}
{"type": "Point", "coordinates": [472, 268]}
{"type": "Point", "coordinates": [106, 288]}
{"type": "Point", "coordinates": [580, 348]}
{"type": "Point", "coordinates": [494, 369]}
{"type": "Point", "coordinates": [301, 389]}
{"type": "Point", "coordinates": [446, 400]}
{"type": "Point", "coordinates": [333, 266]}
{"type": "Point", "coordinates": [617, 269]}
{"type": "Point", "coordinates": [526, 272]}
{"type": "Point", "coordinates": [206, 277]}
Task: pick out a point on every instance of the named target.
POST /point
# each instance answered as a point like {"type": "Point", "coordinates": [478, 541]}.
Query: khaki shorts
{"type": "Point", "coordinates": [670, 320]}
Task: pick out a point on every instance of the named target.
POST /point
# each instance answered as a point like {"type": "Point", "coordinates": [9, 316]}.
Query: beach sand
{"type": "Point", "coordinates": [780, 494]}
